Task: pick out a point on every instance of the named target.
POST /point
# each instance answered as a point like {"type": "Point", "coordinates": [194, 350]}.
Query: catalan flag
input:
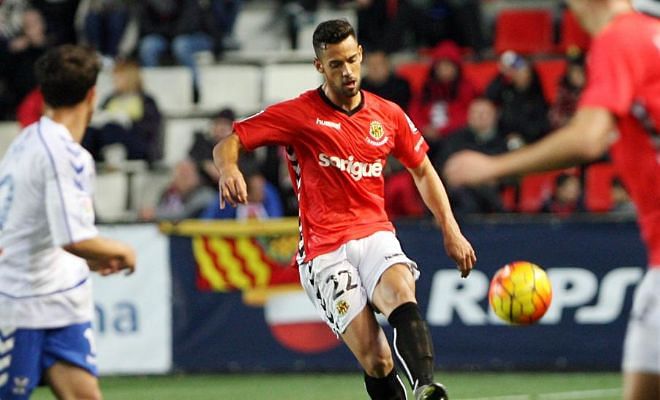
{"type": "Point", "coordinates": [244, 263]}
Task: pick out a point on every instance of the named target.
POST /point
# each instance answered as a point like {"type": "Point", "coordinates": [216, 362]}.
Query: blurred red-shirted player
{"type": "Point", "coordinates": [619, 110]}
{"type": "Point", "coordinates": [338, 139]}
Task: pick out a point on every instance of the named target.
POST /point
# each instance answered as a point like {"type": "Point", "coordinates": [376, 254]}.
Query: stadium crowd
{"type": "Point", "coordinates": [468, 87]}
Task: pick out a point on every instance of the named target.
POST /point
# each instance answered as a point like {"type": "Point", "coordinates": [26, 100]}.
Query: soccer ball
{"type": "Point", "coordinates": [520, 293]}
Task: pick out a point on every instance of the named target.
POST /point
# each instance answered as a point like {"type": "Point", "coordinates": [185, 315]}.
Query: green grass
{"type": "Point", "coordinates": [327, 386]}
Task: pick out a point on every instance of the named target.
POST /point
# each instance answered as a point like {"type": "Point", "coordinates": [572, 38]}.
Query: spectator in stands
{"type": "Point", "coordinates": [569, 89]}
{"type": "Point", "coordinates": [60, 16]}
{"type": "Point", "coordinates": [11, 24]}
{"type": "Point", "coordinates": [187, 26]}
{"type": "Point", "coordinates": [401, 196]}
{"type": "Point", "coordinates": [480, 134]}
{"type": "Point", "coordinates": [517, 91]}
{"type": "Point", "coordinates": [442, 106]}
{"type": "Point", "coordinates": [31, 108]}
{"type": "Point", "coordinates": [466, 25]}
{"type": "Point", "coordinates": [386, 24]}
{"type": "Point", "coordinates": [225, 13]}
{"type": "Point", "coordinates": [104, 23]}
{"type": "Point", "coordinates": [18, 56]}
{"type": "Point", "coordinates": [201, 151]}
{"type": "Point", "coordinates": [185, 197]}
{"type": "Point", "coordinates": [567, 196]}
{"type": "Point", "coordinates": [11, 18]}
{"type": "Point", "coordinates": [295, 14]}
{"type": "Point", "coordinates": [381, 80]}
{"type": "Point", "coordinates": [129, 117]}
{"type": "Point", "coordinates": [263, 199]}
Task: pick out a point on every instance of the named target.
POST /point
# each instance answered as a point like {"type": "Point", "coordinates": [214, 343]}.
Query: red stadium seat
{"type": "Point", "coordinates": [598, 187]}
{"type": "Point", "coordinates": [571, 34]}
{"type": "Point", "coordinates": [480, 73]}
{"type": "Point", "coordinates": [524, 31]}
{"type": "Point", "coordinates": [508, 196]}
{"type": "Point", "coordinates": [550, 71]}
{"type": "Point", "coordinates": [415, 73]}
{"type": "Point", "coordinates": [535, 189]}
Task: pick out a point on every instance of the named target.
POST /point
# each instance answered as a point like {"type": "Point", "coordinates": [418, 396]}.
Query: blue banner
{"type": "Point", "coordinates": [594, 268]}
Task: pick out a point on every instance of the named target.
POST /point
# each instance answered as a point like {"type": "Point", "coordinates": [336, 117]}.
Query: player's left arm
{"type": "Point", "coordinates": [435, 197]}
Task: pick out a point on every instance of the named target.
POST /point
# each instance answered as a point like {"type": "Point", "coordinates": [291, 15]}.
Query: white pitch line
{"type": "Point", "coordinates": [509, 397]}
{"type": "Point", "coordinates": [572, 395]}
{"type": "Point", "coordinates": [581, 394]}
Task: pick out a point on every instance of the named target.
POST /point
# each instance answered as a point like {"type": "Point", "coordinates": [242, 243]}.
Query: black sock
{"type": "Point", "coordinates": [387, 388]}
{"type": "Point", "coordinates": [412, 344]}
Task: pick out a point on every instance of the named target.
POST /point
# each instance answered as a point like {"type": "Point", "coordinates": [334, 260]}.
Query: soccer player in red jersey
{"type": "Point", "coordinates": [620, 111]}
{"type": "Point", "coordinates": [338, 138]}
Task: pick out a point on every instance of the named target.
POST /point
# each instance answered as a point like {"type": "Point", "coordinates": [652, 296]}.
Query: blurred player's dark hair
{"type": "Point", "coordinates": [66, 73]}
{"type": "Point", "coordinates": [331, 32]}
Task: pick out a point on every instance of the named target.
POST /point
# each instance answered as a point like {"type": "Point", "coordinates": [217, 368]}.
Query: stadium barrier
{"type": "Point", "coordinates": [237, 305]}
{"type": "Point", "coordinates": [133, 314]}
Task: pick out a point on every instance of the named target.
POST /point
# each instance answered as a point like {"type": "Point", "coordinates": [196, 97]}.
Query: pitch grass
{"type": "Point", "coordinates": [329, 386]}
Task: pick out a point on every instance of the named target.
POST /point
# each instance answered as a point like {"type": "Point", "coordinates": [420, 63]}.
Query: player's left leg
{"type": "Point", "coordinates": [389, 277]}
{"type": "Point", "coordinates": [394, 295]}
{"type": "Point", "coordinates": [70, 363]}
{"type": "Point", "coordinates": [367, 341]}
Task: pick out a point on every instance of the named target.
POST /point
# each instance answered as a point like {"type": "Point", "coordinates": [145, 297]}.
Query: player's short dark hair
{"type": "Point", "coordinates": [226, 113]}
{"type": "Point", "coordinates": [331, 32]}
{"type": "Point", "coordinates": [66, 73]}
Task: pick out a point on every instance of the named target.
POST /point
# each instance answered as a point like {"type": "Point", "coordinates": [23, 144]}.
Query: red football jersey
{"type": "Point", "coordinates": [623, 70]}
{"type": "Point", "coordinates": [336, 162]}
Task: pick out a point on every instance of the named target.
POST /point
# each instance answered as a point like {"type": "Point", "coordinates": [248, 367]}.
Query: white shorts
{"type": "Point", "coordinates": [641, 348]}
{"type": "Point", "coordinates": [340, 283]}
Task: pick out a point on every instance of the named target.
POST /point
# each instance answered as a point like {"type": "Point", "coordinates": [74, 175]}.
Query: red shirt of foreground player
{"type": "Point", "coordinates": [624, 77]}
{"type": "Point", "coordinates": [336, 162]}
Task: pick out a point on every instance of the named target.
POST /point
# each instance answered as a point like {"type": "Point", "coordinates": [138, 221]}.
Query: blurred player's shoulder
{"type": "Point", "coordinates": [26, 143]}
{"type": "Point", "coordinates": [50, 141]}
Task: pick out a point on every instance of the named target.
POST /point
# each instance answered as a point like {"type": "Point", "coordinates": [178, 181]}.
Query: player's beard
{"type": "Point", "coordinates": [350, 92]}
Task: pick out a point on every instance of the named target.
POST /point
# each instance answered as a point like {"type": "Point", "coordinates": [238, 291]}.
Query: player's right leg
{"type": "Point", "coordinates": [641, 349]}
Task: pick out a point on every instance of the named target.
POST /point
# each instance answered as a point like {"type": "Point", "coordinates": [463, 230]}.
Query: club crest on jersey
{"type": "Point", "coordinates": [342, 307]}
{"type": "Point", "coordinates": [376, 134]}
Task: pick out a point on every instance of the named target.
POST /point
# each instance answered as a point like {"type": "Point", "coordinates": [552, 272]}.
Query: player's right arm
{"type": "Point", "coordinates": [273, 126]}
{"type": "Point", "coordinates": [231, 183]}
{"type": "Point", "coordinates": [104, 255]}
